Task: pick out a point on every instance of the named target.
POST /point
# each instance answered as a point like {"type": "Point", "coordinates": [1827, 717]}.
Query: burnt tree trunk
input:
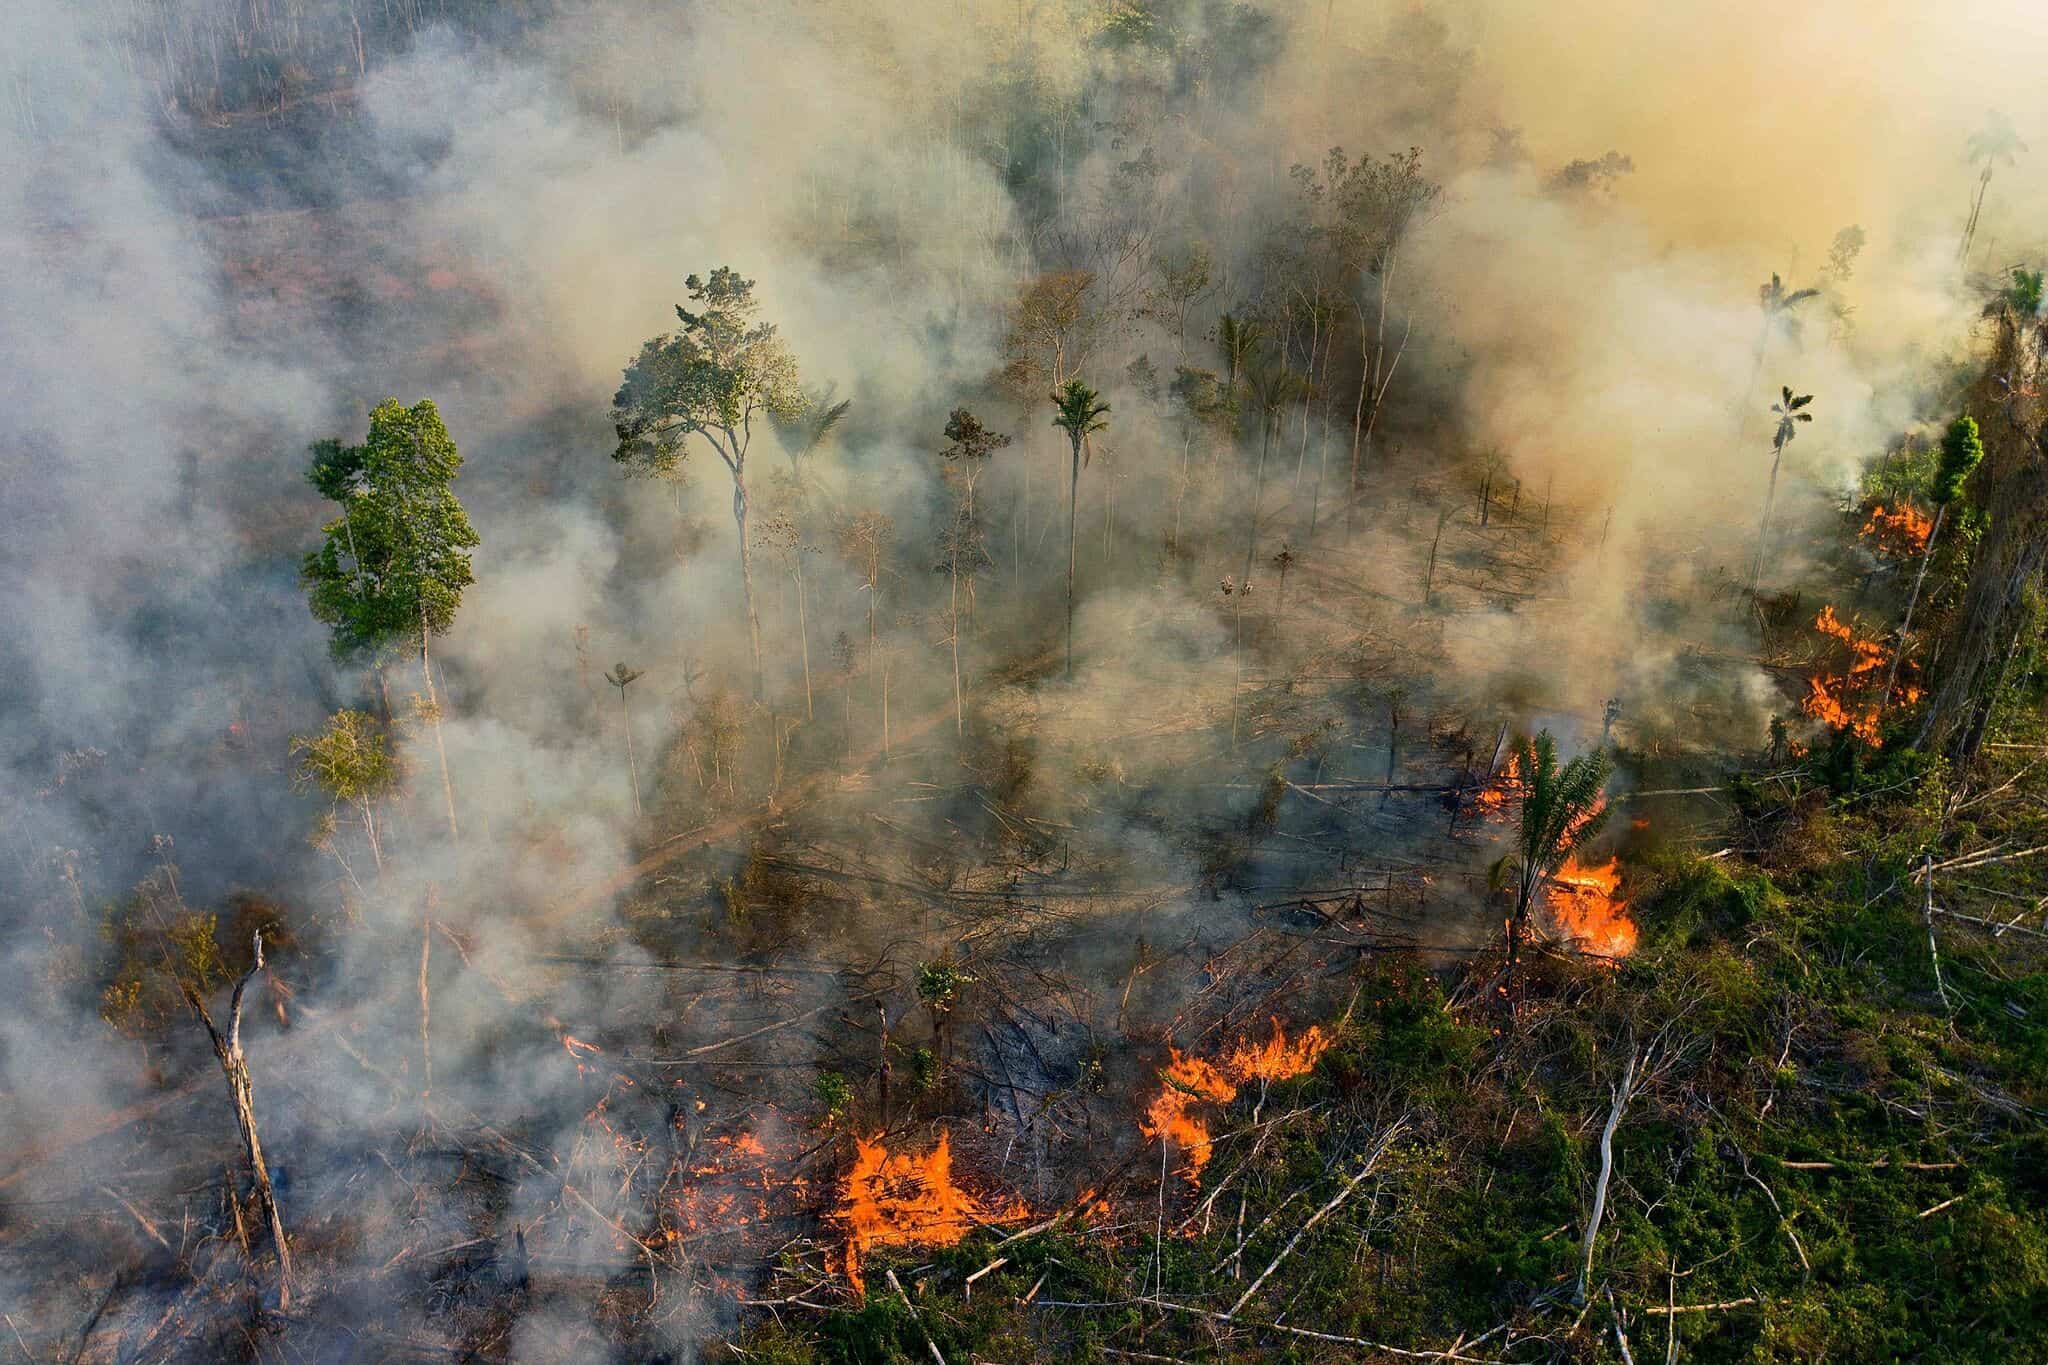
{"type": "Point", "coordinates": [235, 1066]}
{"type": "Point", "coordinates": [2011, 487]}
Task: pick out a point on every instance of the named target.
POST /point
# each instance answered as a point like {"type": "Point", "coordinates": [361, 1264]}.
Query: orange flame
{"type": "Point", "coordinates": [1189, 1081]}
{"type": "Point", "coordinates": [1277, 1060]}
{"type": "Point", "coordinates": [1901, 532]}
{"type": "Point", "coordinates": [901, 1199]}
{"type": "Point", "coordinates": [1502, 790]}
{"type": "Point", "coordinates": [1583, 906]}
{"type": "Point", "coordinates": [1831, 697]}
{"type": "Point", "coordinates": [1186, 1081]}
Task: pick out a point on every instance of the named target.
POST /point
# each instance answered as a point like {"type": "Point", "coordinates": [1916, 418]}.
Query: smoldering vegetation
{"type": "Point", "coordinates": [1437, 413]}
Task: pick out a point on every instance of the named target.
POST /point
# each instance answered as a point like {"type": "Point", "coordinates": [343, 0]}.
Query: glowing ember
{"type": "Point", "coordinates": [1841, 700]}
{"type": "Point", "coordinates": [900, 1199]}
{"type": "Point", "coordinates": [579, 1051]}
{"type": "Point", "coordinates": [1900, 532]}
{"type": "Point", "coordinates": [1583, 906]}
{"type": "Point", "coordinates": [733, 1188]}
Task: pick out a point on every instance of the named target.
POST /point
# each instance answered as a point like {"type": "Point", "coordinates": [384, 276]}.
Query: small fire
{"type": "Point", "coordinates": [901, 1199]}
{"type": "Point", "coordinates": [1840, 700]}
{"type": "Point", "coordinates": [1189, 1081]}
{"type": "Point", "coordinates": [579, 1051]}
{"type": "Point", "coordinates": [1585, 909]}
{"type": "Point", "coordinates": [1502, 790]}
{"type": "Point", "coordinates": [1901, 532]}
{"type": "Point", "coordinates": [1277, 1060]}
{"type": "Point", "coordinates": [734, 1188]}
{"type": "Point", "coordinates": [1185, 1082]}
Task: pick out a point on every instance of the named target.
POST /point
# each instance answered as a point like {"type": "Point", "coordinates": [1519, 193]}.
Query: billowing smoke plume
{"type": "Point", "coordinates": [496, 211]}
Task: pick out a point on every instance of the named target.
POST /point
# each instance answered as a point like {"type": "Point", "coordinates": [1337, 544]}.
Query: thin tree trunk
{"type": "Point", "coordinates": [1301, 455]}
{"type": "Point", "coordinates": [1315, 497]}
{"type": "Point", "coordinates": [1429, 575]}
{"type": "Point", "coordinates": [434, 710]}
{"type": "Point", "coordinates": [959, 711]}
{"type": "Point", "coordinates": [739, 516]}
{"type": "Point", "coordinates": [1756, 570]}
{"type": "Point", "coordinates": [426, 1006]}
{"type": "Point", "coordinates": [803, 630]}
{"type": "Point", "coordinates": [1073, 503]}
{"type": "Point", "coordinates": [370, 833]}
{"type": "Point", "coordinates": [1251, 540]}
{"type": "Point", "coordinates": [632, 763]}
{"type": "Point", "coordinates": [1976, 208]}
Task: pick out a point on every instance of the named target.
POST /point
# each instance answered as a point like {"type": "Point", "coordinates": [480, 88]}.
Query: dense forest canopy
{"type": "Point", "coordinates": [1171, 679]}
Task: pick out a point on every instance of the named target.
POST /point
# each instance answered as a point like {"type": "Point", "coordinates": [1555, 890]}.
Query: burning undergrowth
{"type": "Point", "coordinates": [1586, 910]}
{"type": "Point", "coordinates": [1189, 1084]}
{"type": "Point", "coordinates": [902, 1198]}
{"type": "Point", "coordinates": [1849, 691]}
{"type": "Point", "coordinates": [1899, 533]}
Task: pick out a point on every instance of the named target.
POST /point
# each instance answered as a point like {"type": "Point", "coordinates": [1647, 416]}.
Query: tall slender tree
{"type": "Point", "coordinates": [1780, 308]}
{"type": "Point", "coordinates": [394, 565]}
{"type": "Point", "coordinates": [1989, 146]}
{"type": "Point", "coordinates": [1378, 204]}
{"type": "Point", "coordinates": [1789, 410]}
{"type": "Point", "coordinates": [1080, 412]}
{"type": "Point", "coordinates": [710, 379]}
{"type": "Point", "coordinates": [963, 548]}
{"type": "Point", "coordinates": [623, 676]}
{"type": "Point", "coordinates": [1273, 386]}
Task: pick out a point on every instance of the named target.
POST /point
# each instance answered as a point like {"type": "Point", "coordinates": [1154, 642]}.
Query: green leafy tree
{"type": "Point", "coordinates": [1790, 411]}
{"type": "Point", "coordinates": [1080, 412]}
{"type": "Point", "coordinates": [351, 761]}
{"type": "Point", "coordinates": [804, 432]}
{"type": "Point", "coordinates": [2023, 295]}
{"type": "Point", "coordinates": [1562, 808]}
{"type": "Point", "coordinates": [393, 566]}
{"type": "Point", "coordinates": [939, 987]}
{"type": "Point", "coordinates": [1962, 450]}
{"type": "Point", "coordinates": [706, 383]}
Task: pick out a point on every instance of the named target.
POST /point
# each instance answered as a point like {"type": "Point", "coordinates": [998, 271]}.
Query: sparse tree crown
{"type": "Point", "coordinates": [711, 377]}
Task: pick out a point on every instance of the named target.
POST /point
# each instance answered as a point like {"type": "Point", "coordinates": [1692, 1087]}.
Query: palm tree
{"type": "Point", "coordinates": [1788, 410]}
{"type": "Point", "coordinates": [804, 431]}
{"type": "Point", "coordinates": [622, 677]}
{"type": "Point", "coordinates": [1081, 413]}
{"type": "Point", "coordinates": [1562, 808]}
{"type": "Point", "coordinates": [1777, 303]}
{"type": "Point", "coordinates": [1994, 142]}
{"type": "Point", "coordinates": [1962, 450]}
